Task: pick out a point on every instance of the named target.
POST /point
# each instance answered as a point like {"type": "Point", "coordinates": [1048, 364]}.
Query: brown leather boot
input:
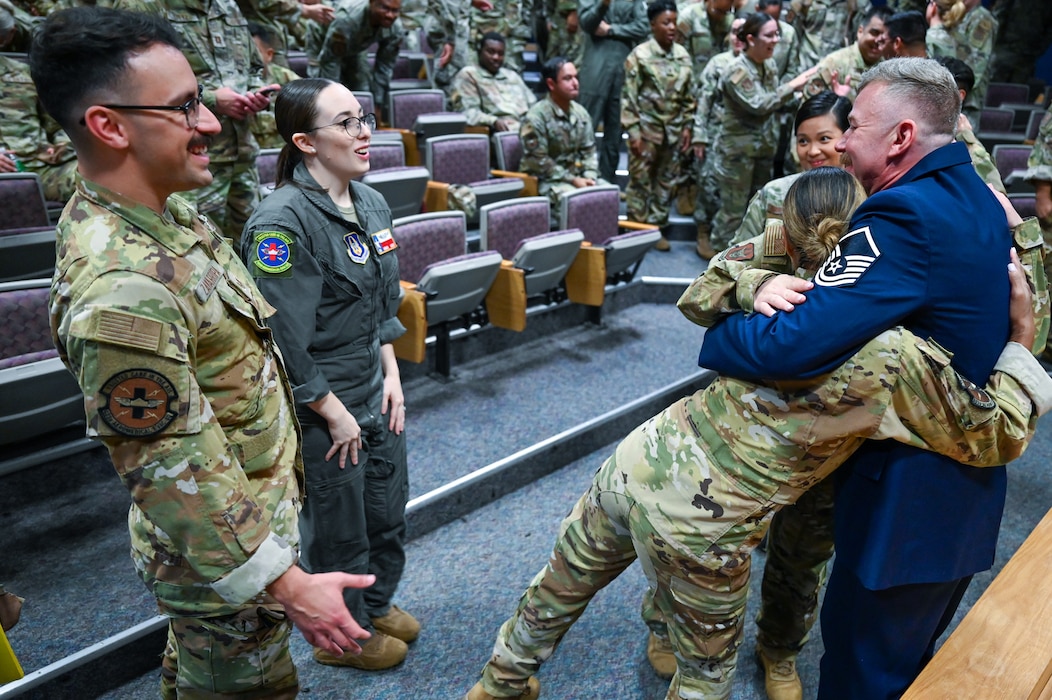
{"type": "Point", "coordinates": [378, 652]}
{"type": "Point", "coordinates": [661, 657]}
{"type": "Point", "coordinates": [397, 623]}
{"type": "Point", "coordinates": [532, 692]}
{"type": "Point", "coordinates": [779, 676]}
{"type": "Point", "coordinates": [10, 609]}
{"type": "Point", "coordinates": [704, 248]}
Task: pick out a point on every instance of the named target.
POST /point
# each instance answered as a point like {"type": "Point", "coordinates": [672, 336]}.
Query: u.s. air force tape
{"type": "Point", "coordinates": [138, 402]}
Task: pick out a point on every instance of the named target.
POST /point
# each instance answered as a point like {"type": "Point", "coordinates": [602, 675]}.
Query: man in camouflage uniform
{"type": "Point", "coordinates": [344, 53]}
{"type": "Point", "coordinates": [264, 128]}
{"type": "Point", "coordinates": [219, 48]}
{"type": "Point", "coordinates": [280, 17]}
{"type": "Point", "coordinates": [752, 450]}
{"type": "Point", "coordinates": [822, 26]}
{"type": "Point", "coordinates": [972, 41]}
{"type": "Point", "coordinates": [847, 65]}
{"type": "Point", "coordinates": [564, 31]}
{"type": "Point", "coordinates": [166, 334]}
{"type": "Point", "coordinates": [656, 105]}
{"type": "Point", "coordinates": [29, 139]}
{"type": "Point", "coordinates": [906, 32]}
{"type": "Point", "coordinates": [558, 142]}
{"type": "Point", "coordinates": [1024, 34]}
{"type": "Point", "coordinates": [489, 94]}
{"type": "Point", "coordinates": [984, 164]}
{"type": "Point", "coordinates": [1039, 174]}
{"type": "Point", "coordinates": [612, 29]}
{"type": "Point", "coordinates": [505, 17]}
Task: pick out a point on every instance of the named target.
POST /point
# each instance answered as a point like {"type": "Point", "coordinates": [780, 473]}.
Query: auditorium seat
{"type": "Point", "coordinates": [1000, 93]}
{"type": "Point", "coordinates": [38, 395]}
{"type": "Point", "coordinates": [507, 150]}
{"type": "Point", "coordinates": [1010, 161]}
{"type": "Point", "coordinates": [443, 287]}
{"type": "Point", "coordinates": [22, 203]}
{"type": "Point", "coordinates": [608, 256]}
{"type": "Point", "coordinates": [27, 237]}
{"type": "Point", "coordinates": [535, 260]}
{"type": "Point", "coordinates": [267, 167]}
{"type": "Point", "coordinates": [463, 159]}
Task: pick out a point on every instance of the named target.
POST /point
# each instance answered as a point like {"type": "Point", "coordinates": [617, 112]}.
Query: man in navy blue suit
{"type": "Point", "coordinates": [927, 250]}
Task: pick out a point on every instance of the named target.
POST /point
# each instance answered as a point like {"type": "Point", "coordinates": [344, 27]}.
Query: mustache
{"type": "Point", "coordinates": [845, 160]}
{"type": "Point", "coordinates": [202, 140]}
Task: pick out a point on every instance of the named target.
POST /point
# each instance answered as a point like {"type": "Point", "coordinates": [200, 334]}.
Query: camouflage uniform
{"type": "Point", "coordinates": [484, 98]}
{"type": "Point", "coordinates": [821, 27]}
{"type": "Point", "coordinates": [507, 19]}
{"type": "Point", "coordinates": [1025, 27]}
{"type": "Point", "coordinates": [707, 118]}
{"type": "Point", "coordinates": [847, 63]}
{"type": "Point", "coordinates": [264, 128]}
{"type": "Point", "coordinates": [344, 51]}
{"type": "Point", "coordinates": [34, 137]}
{"type": "Point", "coordinates": [448, 22]}
{"type": "Point", "coordinates": [984, 164]}
{"type": "Point", "coordinates": [166, 334]}
{"type": "Point", "coordinates": [972, 41]}
{"type": "Point", "coordinates": [221, 53]}
{"type": "Point", "coordinates": [560, 41]}
{"type": "Point", "coordinates": [702, 40]}
{"type": "Point", "coordinates": [602, 70]}
{"type": "Point", "coordinates": [743, 155]}
{"type": "Point", "coordinates": [765, 204]}
{"type": "Point", "coordinates": [557, 147]}
{"type": "Point", "coordinates": [692, 491]}
{"type": "Point", "coordinates": [1039, 169]}
{"type": "Point", "coordinates": [656, 105]}
{"type": "Point", "coordinates": [278, 17]}
{"type": "Point", "coordinates": [787, 52]}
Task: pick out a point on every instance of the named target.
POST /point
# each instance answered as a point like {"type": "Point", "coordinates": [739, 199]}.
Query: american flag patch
{"type": "Point", "coordinates": [853, 255]}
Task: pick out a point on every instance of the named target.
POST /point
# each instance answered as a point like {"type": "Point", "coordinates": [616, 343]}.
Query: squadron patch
{"type": "Point", "coordinates": [853, 255]}
{"type": "Point", "coordinates": [273, 253]}
{"type": "Point", "coordinates": [383, 241]}
{"type": "Point", "coordinates": [356, 248]}
{"type": "Point", "coordinates": [978, 397]}
{"type": "Point", "coordinates": [740, 253]}
{"type": "Point", "coordinates": [138, 402]}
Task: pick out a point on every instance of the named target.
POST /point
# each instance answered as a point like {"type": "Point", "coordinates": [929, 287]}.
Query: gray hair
{"type": "Point", "coordinates": [922, 84]}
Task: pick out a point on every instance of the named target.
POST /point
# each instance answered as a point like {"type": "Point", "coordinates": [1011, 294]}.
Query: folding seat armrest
{"type": "Point", "coordinates": [412, 312]}
{"type": "Point", "coordinates": [635, 225]}
{"type": "Point", "coordinates": [506, 298]}
{"type": "Point", "coordinates": [412, 152]}
{"type": "Point", "coordinates": [529, 182]}
{"type": "Point", "coordinates": [436, 196]}
{"type": "Point", "coordinates": [476, 129]}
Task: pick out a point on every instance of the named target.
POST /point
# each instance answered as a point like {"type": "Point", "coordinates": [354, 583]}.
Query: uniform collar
{"type": "Point", "coordinates": [175, 229]}
{"type": "Point", "coordinates": [948, 156]}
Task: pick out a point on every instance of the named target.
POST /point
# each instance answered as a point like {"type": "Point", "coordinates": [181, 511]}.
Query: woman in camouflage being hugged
{"type": "Point", "coordinates": [690, 492]}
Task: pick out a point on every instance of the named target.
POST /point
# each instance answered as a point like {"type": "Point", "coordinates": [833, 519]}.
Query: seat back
{"type": "Point", "coordinates": [428, 238]}
{"type": "Point", "coordinates": [27, 253]}
{"type": "Point", "coordinates": [402, 187]}
{"type": "Point", "coordinates": [428, 126]}
{"type": "Point", "coordinates": [1024, 203]}
{"type": "Point", "coordinates": [298, 62]}
{"type": "Point", "coordinates": [507, 148]}
{"type": "Point", "coordinates": [22, 203]}
{"type": "Point", "coordinates": [404, 106]}
{"type": "Point", "coordinates": [386, 154]}
{"type": "Point", "coordinates": [504, 225]}
{"type": "Point", "coordinates": [267, 167]}
{"type": "Point", "coordinates": [458, 159]}
{"type": "Point", "coordinates": [996, 119]}
{"type": "Point", "coordinates": [24, 308]}
{"type": "Point", "coordinates": [1034, 125]}
{"type": "Point", "coordinates": [365, 99]}
{"type": "Point", "coordinates": [593, 210]}
{"type": "Point", "coordinates": [1009, 158]}
{"type": "Point", "coordinates": [999, 93]}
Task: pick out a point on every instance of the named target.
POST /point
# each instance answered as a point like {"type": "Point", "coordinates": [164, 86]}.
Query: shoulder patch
{"type": "Point", "coordinates": [978, 397]}
{"type": "Point", "coordinates": [383, 241]}
{"type": "Point", "coordinates": [273, 254]}
{"type": "Point", "coordinates": [128, 330]}
{"type": "Point", "coordinates": [853, 255]}
{"type": "Point", "coordinates": [738, 75]}
{"type": "Point", "coordinates": [740, 253]}
{"type": "Point", "coordinates": [138, 402]}
{"type": "Point", "coordinates": [774, 238]}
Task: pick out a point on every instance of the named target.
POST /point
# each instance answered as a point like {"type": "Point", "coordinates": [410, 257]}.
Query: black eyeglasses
{"type": "Point", "coordinates": [191, 109]}
{"type": "Point", "coordinates": [355, 131]}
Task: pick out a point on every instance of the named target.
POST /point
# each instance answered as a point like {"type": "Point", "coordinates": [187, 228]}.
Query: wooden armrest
{"type": "Point", "coordinates": [529, 182]}
{"type": "Point", "coordinates": [476, 129]}
{"type": "Point", "coordinates": [412, 151]}
{"type": "Point", "coordinates": [412, 312]}
{"type": "Point", "coordinates": [586, 278]}
{"type": "Point", "coordinates": [635, 225]}
{"type": "Point", "coordinates": [436, 196]}
{"type": "Point", "coordinates": [506, 299]}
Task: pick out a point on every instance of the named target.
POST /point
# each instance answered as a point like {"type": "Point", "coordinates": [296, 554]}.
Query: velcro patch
{"type": "Point", "coordinates": [978, 397]}
{"type": "Point", "coordinates": [356, 248]}
{"type": "Point", "coordinates": [853, 255]}
{"type": "Point", "coordinates": [774, 238]}
{"type": "Point", "coordinates": [138, 402]}
{"type": "Point", "coordinates": [383, 241]}
{"type": "Point", "coordinates": [128, 330]}
{"type": "Point", "coordinates": [273, 254]}
{"type": "Point", "coordinates": [740, 253]}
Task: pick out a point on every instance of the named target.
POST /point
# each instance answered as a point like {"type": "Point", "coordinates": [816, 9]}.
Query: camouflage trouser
{"type": "Point", "coordinates": [59, 181]}
{"type": "Point", "coordinates": [229, 200]}
{"type": "Point", "coordinates": [699, 575]}
{"type": "Point", "coordinates": [244, 655]}
{"type": "Point", "coordinates": [738, 178]}
{"type": "Point", "coordinates": [799, 545]}
{"type": "Point", "coordinates": [562, 43]}
{"type": "Point", "coordinates": [707, 196]}
{"type": "Point", "coordinates": [652, 180]}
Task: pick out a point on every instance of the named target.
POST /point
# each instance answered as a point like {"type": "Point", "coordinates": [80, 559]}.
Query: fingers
{"type": "Point", "coordinates": [353, 446]}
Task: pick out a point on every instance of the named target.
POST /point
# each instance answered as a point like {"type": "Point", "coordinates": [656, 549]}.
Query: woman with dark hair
{"type": "Point", "coordinates": [743, 156]}
{"type": "Point", "coordinates": [322, 253]}
{"type": "Point", "coordinates": [820, 122]}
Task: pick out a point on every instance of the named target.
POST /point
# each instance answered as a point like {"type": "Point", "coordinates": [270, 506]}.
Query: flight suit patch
{"type": "Point", "coordinates": [356, 248]}
{"type": "Point", "coordinates": [273, 254]}
{"type": "Point", "coordinates": [383, 241]}
{"type": "Point", "coordinates": [853, 255]}
{"type": "Point", "coordinates": [138, 402]}
{"type": "Point", "coordinates": [740, 253]}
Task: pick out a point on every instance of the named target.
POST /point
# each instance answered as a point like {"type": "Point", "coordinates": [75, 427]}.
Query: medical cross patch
{"type": "Point", "coordinates": [273, 253]}
{"type": "Point", "coordinates": [852, 256]}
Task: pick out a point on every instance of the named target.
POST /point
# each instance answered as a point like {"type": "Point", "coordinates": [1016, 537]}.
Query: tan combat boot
{"type": "Point", "coordinates": [705, 251]}
{"type": "Point", "coordinates": [10, 609]}
{"type": "Point", "coordinates": [397, 623]}
{"type": "Point", "coordinates": [661, 657]}
{"type": "Point", "coordinates": [532, 692]}
{"type": "Point", "coordinates": [378, 652]}
{"type": "Point", "coordinates": [779, 676]}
